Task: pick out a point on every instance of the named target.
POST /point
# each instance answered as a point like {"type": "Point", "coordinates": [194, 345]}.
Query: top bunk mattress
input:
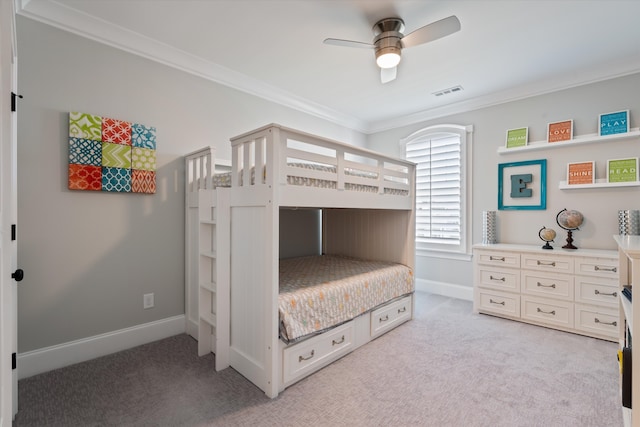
{"type": "Point", "coordinates": [319, 292]}
{"type": "Point", "coordinates": [224, 179]}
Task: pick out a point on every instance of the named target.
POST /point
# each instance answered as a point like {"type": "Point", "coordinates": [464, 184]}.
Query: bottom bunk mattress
{"type": "Point", "coordinates": [319, 292]}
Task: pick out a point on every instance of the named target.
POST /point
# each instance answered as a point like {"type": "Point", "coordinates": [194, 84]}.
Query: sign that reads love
{"type": "Point", "coordinates": [560, 131]}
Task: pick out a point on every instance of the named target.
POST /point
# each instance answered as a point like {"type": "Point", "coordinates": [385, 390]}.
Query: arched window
{"type": "Point", "coordinates": [443, 191]}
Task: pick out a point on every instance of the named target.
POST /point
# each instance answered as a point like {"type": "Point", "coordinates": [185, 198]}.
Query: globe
{"type": "Point", "coordinates": [569, 219]}
{"type": "Point", "coordinates": [547, 235]}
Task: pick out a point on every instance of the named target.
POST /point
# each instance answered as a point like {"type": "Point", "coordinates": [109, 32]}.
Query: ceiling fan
{"type": "Point", "coordinates": [389, 41]}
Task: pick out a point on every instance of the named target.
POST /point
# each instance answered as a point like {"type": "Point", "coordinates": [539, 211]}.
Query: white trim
{"type": "Point", "coordinates": [446, 289]}
{"type": "Point", "coordinates": [61, 355]}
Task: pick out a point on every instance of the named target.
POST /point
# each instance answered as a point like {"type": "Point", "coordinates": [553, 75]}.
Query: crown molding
{"type": "Point", "coordinates": [68, 19]}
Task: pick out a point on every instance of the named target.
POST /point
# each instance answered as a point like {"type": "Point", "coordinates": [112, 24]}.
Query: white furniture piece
{"type": "Point", "coordinates": [570, 290]}
{"type": "Point", "coordinates": [275, 168]}
{"type": "Point", "coordinates": [629, 250]}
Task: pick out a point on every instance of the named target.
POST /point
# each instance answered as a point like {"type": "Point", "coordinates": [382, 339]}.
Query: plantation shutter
{"type": "Point", "coordinates": [438, 188]}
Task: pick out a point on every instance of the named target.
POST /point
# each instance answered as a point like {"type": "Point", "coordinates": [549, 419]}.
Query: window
{"type": "Point", "coordinates": [443, 190]}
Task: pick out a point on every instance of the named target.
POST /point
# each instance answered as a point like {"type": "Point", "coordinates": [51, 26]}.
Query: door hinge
{"type": "Point", "coordinates": [13, 101]}
{"type": "Point", "coordinates": [14, 363]}
{"type": "Point", "coordinates": [13, 232]}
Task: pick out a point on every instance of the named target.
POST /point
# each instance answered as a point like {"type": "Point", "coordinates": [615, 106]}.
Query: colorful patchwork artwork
{"type": "Point", "coordinates": [107, 154]}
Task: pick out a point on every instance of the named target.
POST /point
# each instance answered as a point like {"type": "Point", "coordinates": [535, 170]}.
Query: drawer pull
{"type": "Point", "coordinates": [553, 285]}
{"type": "Point", "coordinates": [384, 319]}
{"type": "Point", "coordinates": [612, 294]}
{"type": "Point", "coordinates": [612, 269]}
{"type": "Point", "coordinates": [496, 302]}
{"type": "Point", "coordinates": [402, 310]}
{"type": "Point", "coordinates": [301, 359]}
{"type": "Point", "coordinates": [496, 258]}
{"type": "Point", "coordinates": [502, 279]}
{"type": "Point", "coordinates": [551, 264]}
{"type": "Point", "coordinates": [614, 323]}
{"type": "Point", "coordinates": [552, 312]}
{"type": "Point", "coordinates": [334, 342]}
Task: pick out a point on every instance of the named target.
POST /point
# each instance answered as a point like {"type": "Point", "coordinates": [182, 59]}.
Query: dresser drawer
{"type": "Point", "coordinates": [498, 258]}
{"type": "Point", "coordinates": [310, 355]}
{"type": "Point", "coordinates": [547, 263]}
{"type": "Point", "coordinates": [547, 285]}
{"type": "Point", "coordinates": [501, 303]}
{"type": "Point", "coordinates": [598, 291]}
{"type": "Point", "coordinates": [497, 278]}
{"type": "Point", "coordinates": [387, 317]}
{"type": "Point", "coordinates": [552, 312]}
{"type": "Point", "coordinates": [600, 267]}
{"type": "Point", "coordinates": [597, 320]}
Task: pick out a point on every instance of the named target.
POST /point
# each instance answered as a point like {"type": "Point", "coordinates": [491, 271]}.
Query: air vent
{"type": "Point", "coordinates": [448, 91]}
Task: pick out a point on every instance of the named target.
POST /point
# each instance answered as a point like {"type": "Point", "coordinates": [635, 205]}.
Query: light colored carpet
{"type": "Point", "coordinates": [447, 367]}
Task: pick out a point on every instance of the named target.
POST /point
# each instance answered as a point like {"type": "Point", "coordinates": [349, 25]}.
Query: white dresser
{"type": "Point", "coordinates": [571, 290]}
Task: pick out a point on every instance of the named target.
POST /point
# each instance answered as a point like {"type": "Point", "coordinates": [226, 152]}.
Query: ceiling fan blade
{"type": "Point", "coordinates": [348, 43]}
{"type": "Point", "coordinates": [388, 74]}
{"type": "Point", "coordinates": [431, 32]}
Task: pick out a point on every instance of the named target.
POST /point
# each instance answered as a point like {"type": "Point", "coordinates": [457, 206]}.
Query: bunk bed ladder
{"type": "Point", "coordinates": [213, 275]}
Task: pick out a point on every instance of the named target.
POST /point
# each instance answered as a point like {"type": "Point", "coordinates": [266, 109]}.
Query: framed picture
{"type": "Point", "coordinates": [517, 137]}
{"type": "Point", "coordinates": [560, 131]}
{"type": "Point", "coordinates": [613, 123]}
{"type": "Point", "coordinates": [581, 173]}
{"type": "Point", "coordinates": [622, 170]}
{"type": "Point", "coordinates": [522, 185]}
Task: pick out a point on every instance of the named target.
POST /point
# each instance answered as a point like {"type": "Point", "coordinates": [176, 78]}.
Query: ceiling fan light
{"type": "Point", "coordinates": [388, 59]}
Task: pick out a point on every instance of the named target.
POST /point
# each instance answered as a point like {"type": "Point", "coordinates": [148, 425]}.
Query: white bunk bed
{"type": "Point", "coordinates": [232, 253]}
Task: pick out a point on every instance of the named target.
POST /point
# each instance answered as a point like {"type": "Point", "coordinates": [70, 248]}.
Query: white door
{"type": "Point", "coordinates": [8, 214]}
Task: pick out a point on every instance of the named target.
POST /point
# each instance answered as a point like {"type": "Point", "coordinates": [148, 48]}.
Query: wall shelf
{"type": "Point", "coordinates": [600, 183]}
{"type": "Point", "coordinates": [582, 139]}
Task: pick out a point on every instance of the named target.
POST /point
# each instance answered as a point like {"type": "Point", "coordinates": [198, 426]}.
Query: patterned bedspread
{"type": "Point", "coordinates": [319, 292]}
{"type": "Point", "coordinates": [224, 179]}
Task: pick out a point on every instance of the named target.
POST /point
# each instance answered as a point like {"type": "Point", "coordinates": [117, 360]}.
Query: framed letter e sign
{"type": "Point", "coordinates": [522, 185]}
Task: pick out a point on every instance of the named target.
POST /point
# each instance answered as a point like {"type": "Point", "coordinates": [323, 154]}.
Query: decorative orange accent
{"type": "Point", "coordinates": [560, 131]}
{"type": "Point", "coordinates": [293, 303]}
{"type": "Point", "coordinates": [85, 177]}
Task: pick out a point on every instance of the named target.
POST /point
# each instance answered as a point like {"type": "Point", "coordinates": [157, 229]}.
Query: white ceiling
{"type": "Point", "coordinates": [506, 49]}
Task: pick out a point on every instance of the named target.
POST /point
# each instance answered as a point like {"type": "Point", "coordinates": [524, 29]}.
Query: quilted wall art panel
{"type": "Point", "coordinates": [111, 155]}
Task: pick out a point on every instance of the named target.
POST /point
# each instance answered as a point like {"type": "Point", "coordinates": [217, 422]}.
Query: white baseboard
{"type": "Point", "coordinates": [61, 355]}
{"type": "Point", "coordinates": [445, 289]}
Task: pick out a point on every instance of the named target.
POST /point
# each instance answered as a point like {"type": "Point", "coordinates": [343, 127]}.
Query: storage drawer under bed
{"type": "Point", "coordinates": [310, 355]}
{"type": "Point", "coordinates": [389, 316]}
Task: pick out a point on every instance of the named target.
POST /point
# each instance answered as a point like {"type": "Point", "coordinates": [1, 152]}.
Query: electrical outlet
{"type": "Point", "coordinates": [147, 301]}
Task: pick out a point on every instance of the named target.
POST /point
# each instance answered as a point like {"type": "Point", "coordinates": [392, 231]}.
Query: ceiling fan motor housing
{"type": "Point", "coordinates": [388, 36]}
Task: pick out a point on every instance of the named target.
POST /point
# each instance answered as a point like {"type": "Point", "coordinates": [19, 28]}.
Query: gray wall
{"type": "Point", "coordinates": [599, 206]}
{"type": "Point", "coordinates": [89, 257]}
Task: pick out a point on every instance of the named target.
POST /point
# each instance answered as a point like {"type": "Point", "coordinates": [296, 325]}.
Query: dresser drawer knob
{"type": "Point", "coordinates": [402, 310]}
{"type": "Point", "coordinates": [496, 258]}
{"type": "Point", "coordinates": [553, 285]}
{"type": "Point", "coordinates": [334, 342]}
{"type": "Point", "coordinates": [384, 319]}
{"type": "Point", "coordinates": [614, 323]}
{"type": "Point", "coordinates": [612, 269]}
{"type": "Point", "coordinates": [552, 312]}
{"type": "Point", "coordinates": [612, 294]}
{"type": "Point", "coordinates": [502, 279]}
{"type": "Point", "coordinates": [302, 359]}
{"type": "Point", "coordinates": [551, 264]}
{"type": "Point", "coordinates": [496, 302]}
